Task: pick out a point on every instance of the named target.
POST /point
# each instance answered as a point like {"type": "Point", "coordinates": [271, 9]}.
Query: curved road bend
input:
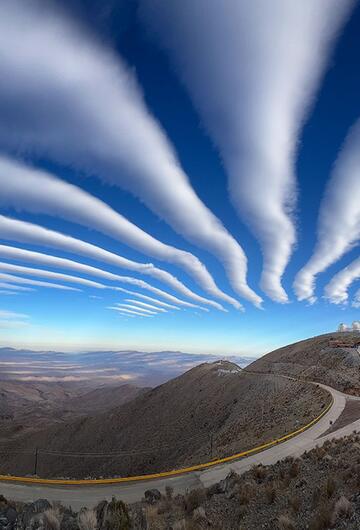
{"type": "Point", "coordinates": [78, 496]}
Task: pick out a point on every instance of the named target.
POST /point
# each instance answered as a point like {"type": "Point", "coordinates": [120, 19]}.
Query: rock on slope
{"type": "Point", "coordinates": [332, 359]}
{"type": "Point", "coordinates": [172, 425]}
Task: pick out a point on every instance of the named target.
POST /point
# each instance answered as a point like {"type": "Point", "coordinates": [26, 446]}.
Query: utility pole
{"type": "Point", "coordinates": [211, 445]}
{"type": "Point", "coordinates": [36, 460]}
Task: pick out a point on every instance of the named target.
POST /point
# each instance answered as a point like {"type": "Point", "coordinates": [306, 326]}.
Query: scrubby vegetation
{"type": "Point", "coordinates": [318, 491]}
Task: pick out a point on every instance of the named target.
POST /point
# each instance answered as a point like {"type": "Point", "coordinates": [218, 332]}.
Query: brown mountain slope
{"type": "Point", "coordinates": [28, 406]}
{"type": "Point", "coordinates": [332, 359]}
{"type": "Point", "coordinates": [31, 404]}
{"type": "Point", "coordinates": [171, 425]}
{"type": "Point", "coordinates": [103, 398]}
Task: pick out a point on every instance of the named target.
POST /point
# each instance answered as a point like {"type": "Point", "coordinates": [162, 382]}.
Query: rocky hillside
{"type": "Point", "coordinates": [27, 406]}
{"type": "Point", "coordinates": [318, 491]}
{"type": "Point", "coordinates": [213, 410]}
{"type": "Point", "coordinates": [102, 399]}
{"type": "Point", "coordinates": [332, 359]}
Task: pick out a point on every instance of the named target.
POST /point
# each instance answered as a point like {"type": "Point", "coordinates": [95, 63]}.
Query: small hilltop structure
{"type": "Point", "coordinates": [350, 336]}
{"type": "Point", "coordinates": [355, 326]}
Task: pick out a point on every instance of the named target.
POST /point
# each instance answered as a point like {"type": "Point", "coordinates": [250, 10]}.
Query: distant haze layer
{"type": "Point", "coordinates": [140, 368]}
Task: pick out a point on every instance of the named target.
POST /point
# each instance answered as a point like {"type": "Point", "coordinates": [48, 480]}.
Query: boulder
{"type": "Point", "coordinates": [152, 496]}
{"type": "Point", "coordinates": [26, 519]}
{"type": "Point", "coordinates": [230, 484]}
{"type": "Point", "coordinates": [69, 520]}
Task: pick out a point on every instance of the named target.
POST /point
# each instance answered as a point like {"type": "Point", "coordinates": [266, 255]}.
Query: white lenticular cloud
{"type": "Point", "coordinates": [337, 289]}
{"type": "Point", "coordinates": [145, 305]}
{"type": "Point", "coordinates": [339, 218]}
{"type": "Point", "coordinates": [27, 232]}
{"type": "Point", "coordinates": [133, 307]}
{"type": "Point", "coordinates": [4, 285]}
{"type": "Point", "coordinates": [36, 191]}
{"type": "Point", "coordinates": [9, 267]}
{"type": "Point", "coordinates": [39, 258]}
{"type": "Point", "coordinates": [151, 299]}
{"type": "Point", "coordinates": [10, 278]}
{"type": "Point", "coordinates": [129, 311]}
{"type": "Point", "coordinates": [252, 69]}
{"type": "Point", "coordinates": [356, 301]}
{"type": "Point", "coordinates": [75, 100]}
{"type": "Point", "coordinates": [158, 292]}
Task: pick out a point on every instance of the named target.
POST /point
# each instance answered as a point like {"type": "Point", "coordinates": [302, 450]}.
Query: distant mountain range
{"type": "Point", "coordinates": [136, 367]}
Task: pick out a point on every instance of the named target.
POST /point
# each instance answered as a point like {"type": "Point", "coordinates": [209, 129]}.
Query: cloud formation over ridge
{"type": "Point", "coordinates": [339, 217]}
{"type": "Point", "coordinates": [252, 70]}
{"type": "Point", "coordinates": [75, 84]}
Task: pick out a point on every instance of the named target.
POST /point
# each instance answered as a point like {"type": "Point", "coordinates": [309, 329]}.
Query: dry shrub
{"type": "Point", "coordinates": [356, 472]}
{"type": "Point", "coordinates": [320, 452]}
{"type": "Point", "coordinates": [282, 473]}
{"type": "Point", "coordinates": [87, 520]}
{"type": "Point", "coordinates": [270, 492]}
{"type": "Point", "coordinates": [286, 482]}
{"type": "Point", "coordinates": [118, 517]}
{"type": "Point", "coordinates": [246, 493]}
{"type": "Point", "coordinates": [294, 469]}
{"type": "Point", "coordinates": [242, 511]}
{"type": "Point", "coordinates": [285, 523]}
{"type": "Point", "coordinates": [316, 495]}
{"type": "Point", "coordinates": [342, 508]}
{"type": "Point", "coordinates": [259, 472]}
{"type": "Point", "coordinates": [322, 518]}
{"type": "Point", "coordinates": [330, 486]}
{"type": "Point", "coordinates": [199, 515]}
{"type": "Point", "coordinates": [194, 499]}
{"type": "Point", "coordinates": [152, 517]}
{"type": "Point", "coordinates": [165, 505]}
{"type": "Point", "coordinates": [51, 519]}
{"type": "Point", "coordinates": [179, 525]}
{"type": "Point", "coordinates": [169, 492]}
{"type": "Point", "coordinates": [295, 503]}
{"type": "Point", "coordinates": [3, 502]}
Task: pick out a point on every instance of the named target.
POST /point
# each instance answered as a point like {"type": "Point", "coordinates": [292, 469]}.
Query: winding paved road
{"type": "Point", "coordinates": [78, 496]}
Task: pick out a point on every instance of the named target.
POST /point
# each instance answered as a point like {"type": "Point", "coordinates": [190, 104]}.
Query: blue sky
{"type": "Point", "coordinates": [227, 159]}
